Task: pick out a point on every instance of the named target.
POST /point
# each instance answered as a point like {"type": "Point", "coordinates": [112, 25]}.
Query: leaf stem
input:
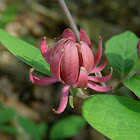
{"type": "Point", "coordinates": [80, 94]}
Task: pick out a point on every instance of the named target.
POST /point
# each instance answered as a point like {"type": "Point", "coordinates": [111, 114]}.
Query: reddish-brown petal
{"type": "Point", "coordinates": [84, 37]}
{"type": "Point", "coordinates": [70, 63]}
{"type": "Point", "coordinates": [79, 54]}
{"type": "Point", "coordinates": [42, 81]}
{"type": "Point", "coordinates": [87, 56]}
{"type": "Point", "coordinates": [78, 46]}
{"type": "Point", "coordinates": [98, 88]}
{"type": "Point", "coordinates": [100, 79]}
{"type": "Point", "coordinates": [80, 59]}
{"type": "Point", "coordinates": [100, 68]}
{"type": "Point", "coordinates": [59, 45]}
{"type": "Point", "coordinates": [99, 53]}
{"type": "Point", "coordinates": [45, 50]}
{"type": "Point", "coordinates": [55, 65]}
{"type": "Point", "coordinates": [64, 99]}
{"type": "Point", "coordinates": [82, 79]}
{"type": "Point", "coordinates": [68, 33]}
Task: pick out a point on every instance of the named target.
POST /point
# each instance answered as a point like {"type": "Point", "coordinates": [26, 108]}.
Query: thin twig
{"type": "Point", "coordinates": [69, 17]}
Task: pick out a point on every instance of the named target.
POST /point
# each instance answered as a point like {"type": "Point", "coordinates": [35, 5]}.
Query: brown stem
{"type": "Point", "coordinates": [69, 17]}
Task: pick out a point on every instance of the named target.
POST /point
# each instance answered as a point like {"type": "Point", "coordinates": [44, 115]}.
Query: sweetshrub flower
{"type": "Point", "coordinates": [71, 63]}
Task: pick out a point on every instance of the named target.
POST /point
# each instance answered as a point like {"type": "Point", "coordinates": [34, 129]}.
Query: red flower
{"type": "Point", "coordinates": [71, 63]}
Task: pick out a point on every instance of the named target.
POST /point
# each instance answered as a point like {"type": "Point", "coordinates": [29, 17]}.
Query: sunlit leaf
{"type": "Point", "coordinates": [24, 51]}
{"type": "Point", "coordinates": [121, 51]}
{"type": "Point", "coordinates": [133, 84]}
{"type": "Point", "coordinates": [31, 40]}
{"type": "Point", "coordinates": [116, 117]}
{"type": "Point", "coordinates": [135, 68]}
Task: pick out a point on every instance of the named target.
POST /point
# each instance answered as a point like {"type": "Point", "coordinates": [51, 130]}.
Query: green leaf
{"type": "Point", "coordinates": [9, 129]}
{"type": "Point", "coordinates": [71, 101]}
{"type": "Point", "coordinates": [31, 40]}
{"type": "Point", "coordinates": [133, 84]}
{"type": "Point", "coordinates": [8, 15]}
{"type": "Point", "coordinates": [26, 52]}
{"type": "Point", "coordinates": [42, 128]}
{"type": "Point", "coordinates": [6, 114]}
{"type": "Point", "coordinates": [121, 51]}
{"type": "Point", "coordinates": [67, 127]}
{"type": "Point", "coordinates": [135, 68]}
{"type": "Point", "coordinates": [29, 127]}
{"type": "Point", "coordinates": [116, 117]}
{"type": "Point", "coordinates": [73, 91]}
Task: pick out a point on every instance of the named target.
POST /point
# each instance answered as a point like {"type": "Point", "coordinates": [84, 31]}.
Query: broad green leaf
{"type": "Point", "coordinates": [133, 84]}
{"type": "Point", "coordinates": [8, 15]}
{"type": "Point", "coordinates": [121, 51]}
{"type": "Point", "coordinates": [67, 127]}
{"type": "Point", "coordinates": [116, 117]}
{"type": "Point", "coordinates": [42, 128]}
{"type": "Point", "coordinates": [31, 40]}
{"type": "Point", "coordinates": [8, 129]}
{"type": "Point", "coordinates": [30, 128]}
{"type": "Point", "coordinates": [135, 68]}
{"type": "Point", "coordinates": [24, 51]}
{"type": "Point", "coordinates": [6, 114]}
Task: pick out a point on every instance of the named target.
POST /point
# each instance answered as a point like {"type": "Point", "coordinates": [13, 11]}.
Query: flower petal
{"type": "Point", "coordinates": [70, 63]}
{"type": "Point", "coordinates": [99, 53]}
{"type": "Point", "coordinates": [87, 56]}
{"type": "Point", "coordinates": [100, 68]}
{"type": "Point", "coordinates": [64, 99]}
{"type": "Point", "coordinates": [78, 46]}
{"type": "Point", "coordinates": [98, 88]}
{"type": "Point", "coordinates": [84, 37]}
{"type": "Point", "coordinates": [100, 79]}
{"type": "Point", "coordinates": [55, 65]}
{"type": "Point", "coordinates": [59, 46]}
{"type": "Point", "coordinates": [68, 33]}
{"type": "Point", "coordinates": [82, 79]}
{"type": "Point", "coordinates": [41, 81]}
{"type": "Point", "coordinates": [45, 50]}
